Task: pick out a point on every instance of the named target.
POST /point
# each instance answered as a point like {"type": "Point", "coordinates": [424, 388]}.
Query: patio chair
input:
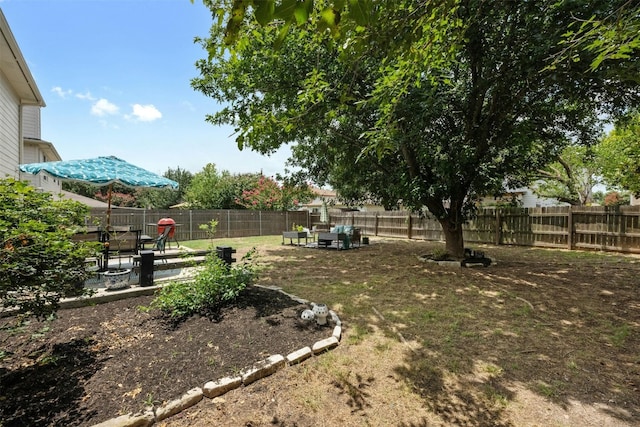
{"type": "Point", "coordinates": [161, 240]}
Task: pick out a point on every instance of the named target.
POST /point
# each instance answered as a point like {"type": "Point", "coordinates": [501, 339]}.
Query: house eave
{"type": "Point", "coordinates": [46, 147]}
{"type": "Point", "coordinates": [15, 69]}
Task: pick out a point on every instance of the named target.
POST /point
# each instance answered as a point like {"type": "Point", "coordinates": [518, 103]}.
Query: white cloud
{"type": "Point", "coordinates": [86, 95]}
{"type": "Point", "coordinates": [103, 107]}
{"type": "Point", "coordinates": [145, 113]}
{"type": "Point", "coordinates": [60, 92]}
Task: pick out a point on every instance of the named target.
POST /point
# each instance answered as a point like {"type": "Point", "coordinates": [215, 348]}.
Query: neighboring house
{"type": "Point", "coordinates": [20, 103]}
{"type": "Point", "coordinates": [520, 197]}
{"type": "Point", "coordinates": [321, 196]}
{"type": "Point", "coordinates": [330, 197]}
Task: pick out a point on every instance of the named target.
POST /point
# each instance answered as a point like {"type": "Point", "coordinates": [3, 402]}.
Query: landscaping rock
{"type": "Point", "coordinates": [129, 420]}
{"type": "Point", "coordinates": [299, 356]}
{"type": "Point", "coordinates": [325, 344]}
{"type": "Point", "coordinates": [187, 400]}
{"type": "Point", "coordinates": [217, 388]}
{"type": "Point", "coordinates": [263, 368]}
{"type": "Point", "coordinates": [337, 332]}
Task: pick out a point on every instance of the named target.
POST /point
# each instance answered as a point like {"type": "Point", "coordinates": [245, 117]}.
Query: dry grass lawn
{"type": "Point", "coordinates": [539, 338]}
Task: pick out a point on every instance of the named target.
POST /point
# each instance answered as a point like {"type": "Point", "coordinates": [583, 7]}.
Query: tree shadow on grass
{"type": "Point", "coordinates": [50, 391]}
{"type": "Point", "coordinates": [454, 403]}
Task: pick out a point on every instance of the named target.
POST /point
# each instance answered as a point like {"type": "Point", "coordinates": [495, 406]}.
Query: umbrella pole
{"type": "Point", "coordinates": [108, 235]}
{"type": "Point", "coordinates": [109, 208]}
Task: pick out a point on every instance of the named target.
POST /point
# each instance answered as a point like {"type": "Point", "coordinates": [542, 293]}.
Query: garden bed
{"type": "Point", "coordinates": [94, 363]}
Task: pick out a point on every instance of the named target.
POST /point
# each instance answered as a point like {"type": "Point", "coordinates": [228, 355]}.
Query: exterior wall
{"type": "Point", "coordinates": [530, 200]}
{"type": "Point", "coordinates": [33, 154]}
{"type": "Point", "coordinates": [9, 130]}
{"type": "Point", "coordinates": [44, 181]}
{"type": "Point", "coordinates": [31, 124]}
{"type": "Point", "coordinates": [524, 198]}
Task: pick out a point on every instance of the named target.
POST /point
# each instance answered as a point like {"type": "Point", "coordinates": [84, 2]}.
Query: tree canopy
{"type": "Point", "coordinates": [571, 177]}
{"type": "Point", "coordinates": [428, 106]}
{"type": "Point", "coordinates": [619, 153]}
{"type": "Point", "coordinates": [164, 198]}
{"type": "Point", "coordinates": [211, 189]}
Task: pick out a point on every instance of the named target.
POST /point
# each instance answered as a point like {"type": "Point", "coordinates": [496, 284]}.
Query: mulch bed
{"type": "Point", "coordinates": [98, 362]}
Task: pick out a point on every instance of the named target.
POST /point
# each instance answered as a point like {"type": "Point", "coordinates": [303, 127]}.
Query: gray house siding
{"type": "Point", "coordinates": [10, 138]}
{"type": "Point", "coordinates": [31, 122]}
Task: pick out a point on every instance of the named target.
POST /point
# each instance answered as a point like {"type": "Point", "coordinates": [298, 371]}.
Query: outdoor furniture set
{"type": "Point", "coordinates": [339, 236]}
{"type": "Point", "coordinates": [345, 237]}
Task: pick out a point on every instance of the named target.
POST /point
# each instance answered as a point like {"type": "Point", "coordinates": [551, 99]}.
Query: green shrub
{"type": "Point", "coordinates": [40, 263]}
{"type": "Point", "coordinates": [214, 285]}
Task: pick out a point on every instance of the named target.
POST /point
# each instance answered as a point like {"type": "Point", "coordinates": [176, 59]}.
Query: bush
{"type": "Point", "coordinates": [40, 263]}
{"type": "Point", "coordinates": [213, 286]}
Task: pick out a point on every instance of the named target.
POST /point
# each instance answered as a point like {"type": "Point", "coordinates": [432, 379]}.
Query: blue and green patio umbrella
{"type": "Point", "coordinates": [101, 171]}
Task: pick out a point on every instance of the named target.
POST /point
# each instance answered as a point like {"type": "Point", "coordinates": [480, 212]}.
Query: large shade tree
{"type": "Point", "coordinates": [429, 105]}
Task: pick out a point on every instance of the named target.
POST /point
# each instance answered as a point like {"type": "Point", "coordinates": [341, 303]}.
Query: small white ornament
{"type": "Point", "coordinates": [321, 312]}
{"type": "Point", "coordinates": [307, 315]}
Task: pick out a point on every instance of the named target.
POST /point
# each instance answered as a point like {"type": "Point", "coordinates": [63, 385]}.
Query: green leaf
{"type": "Point", "coordinates": [302, 12]}
{"type": "Point", "coordinates": [286, 10]}
{"type": "Point", "coordinates": [330, 17]}
{"type": "Point", "coordinates": [360, 11]}
{"type": "Point", "coordinates": [281, 36]}
{"type": "Point", "coordinates": [238, 11]}
{"type": "Point", "coordinates": [265, 11]}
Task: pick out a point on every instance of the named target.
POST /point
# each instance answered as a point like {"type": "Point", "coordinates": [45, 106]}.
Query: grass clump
{"type": "Point", "coordinates": [214, 285]}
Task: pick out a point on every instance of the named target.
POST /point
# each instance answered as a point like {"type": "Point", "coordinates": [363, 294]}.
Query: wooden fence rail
{"type": "Point", "coordinates": [231, 223]}
{"type": "Point", "coordinates": [594, 228]}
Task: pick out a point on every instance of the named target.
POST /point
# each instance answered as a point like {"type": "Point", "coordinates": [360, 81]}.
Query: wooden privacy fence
{"type": "Point", "coordinates": [595, 228]}
{"type": "Point", "coordinates": [231, 223]}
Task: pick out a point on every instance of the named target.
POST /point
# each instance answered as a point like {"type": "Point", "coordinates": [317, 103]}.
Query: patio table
{"type": "Point", "coordinates": [295, 235]}
{"type": "Point", "coordinates": [327, 239]}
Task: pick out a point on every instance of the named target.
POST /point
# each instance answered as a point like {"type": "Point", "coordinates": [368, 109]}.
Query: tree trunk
{"type": "Point", "coordinates": [453, 238]}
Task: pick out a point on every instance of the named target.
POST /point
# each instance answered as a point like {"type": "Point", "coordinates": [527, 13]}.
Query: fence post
{"type": "Point", "coordinates": [498, 227]}
{"type": "Point", "coordinates": [228, 223]}
{"type": "Point", "coordinates": [569, 228]}
{"type": "Point", "coordinates": [190, 224]}
{"type": "Point", "coordinates": [409, 226]}
{"type": "Point", "coordinates": [260, 220]}
{"type": "Point", "coordinates": [375, 225]}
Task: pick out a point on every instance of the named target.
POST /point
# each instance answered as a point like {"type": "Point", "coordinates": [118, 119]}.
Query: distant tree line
{"type": "Point", "coordinates": [207, 189]}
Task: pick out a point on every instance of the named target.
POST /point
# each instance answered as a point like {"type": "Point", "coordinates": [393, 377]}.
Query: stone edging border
{"type": "Point", "coordinates": [212, 389]}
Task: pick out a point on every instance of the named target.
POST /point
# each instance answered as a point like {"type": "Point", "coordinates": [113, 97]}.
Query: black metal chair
{"type": "Point", "coordinates": [161, 241]}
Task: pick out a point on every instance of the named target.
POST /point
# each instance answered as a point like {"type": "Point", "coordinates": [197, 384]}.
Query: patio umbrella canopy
{"type": "Point", "coordinates": [101, 171]}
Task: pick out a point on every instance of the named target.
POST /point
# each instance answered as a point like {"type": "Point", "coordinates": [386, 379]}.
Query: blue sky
{"type": "Point", "coordinates": [115, 77]}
